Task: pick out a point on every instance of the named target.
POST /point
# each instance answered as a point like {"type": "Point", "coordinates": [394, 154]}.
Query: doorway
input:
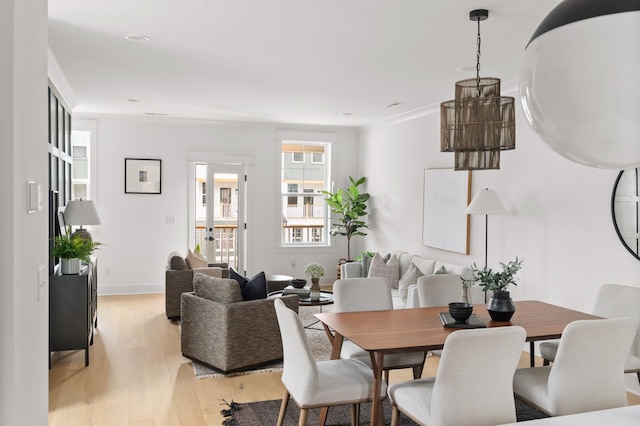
{"type": "Point", "coordinates": [219, 211]}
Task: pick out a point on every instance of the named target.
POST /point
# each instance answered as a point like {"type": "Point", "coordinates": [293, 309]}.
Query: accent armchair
{"type": "Point", "coordinates": [231, 335]}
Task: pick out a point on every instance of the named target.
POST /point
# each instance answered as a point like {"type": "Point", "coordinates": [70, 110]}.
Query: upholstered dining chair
{"type": "Point", "coordinates": [612, 301]}
{"type": "Point", "coordinates": [441, 289]}
{"type": "Point", "coordinates": [461, 393]}
{"type": "Point", "coordinates": [587, 374]}
{"type": "Point", "coordinates": [314, 384]}
{"type": "Point", "coordinates": [371, 294]}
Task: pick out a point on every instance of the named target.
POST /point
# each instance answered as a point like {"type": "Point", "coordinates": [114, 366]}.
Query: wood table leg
{"type": "Point", "coordinates": [377, 361]}
{"type": "Point", "coordinates": [532, 355]}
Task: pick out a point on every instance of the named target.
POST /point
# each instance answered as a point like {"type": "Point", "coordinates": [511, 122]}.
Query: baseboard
{"type": "Point", "coordinates": [111, 290]}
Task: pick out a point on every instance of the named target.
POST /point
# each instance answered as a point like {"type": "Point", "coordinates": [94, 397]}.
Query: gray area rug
{"type": "Point", "coordinates": [316, 335]}
{"type": "Point", "coordinates": [266, 413]}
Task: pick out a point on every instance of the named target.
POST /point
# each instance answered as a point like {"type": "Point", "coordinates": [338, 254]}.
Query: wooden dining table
{"type": "Point", "coordinates": [412, 330]}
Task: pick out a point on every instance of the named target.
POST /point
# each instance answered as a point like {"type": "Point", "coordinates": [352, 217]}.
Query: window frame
{"type": "Point", "coordinates": [325, 140]}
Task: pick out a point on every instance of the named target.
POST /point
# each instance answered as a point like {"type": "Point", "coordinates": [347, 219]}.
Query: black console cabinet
{"type": "Point", "coordinates": [73, 311]}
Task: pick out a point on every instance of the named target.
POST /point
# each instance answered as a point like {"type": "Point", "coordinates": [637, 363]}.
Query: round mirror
{"type": "Point", "coordinates": [625, 209]}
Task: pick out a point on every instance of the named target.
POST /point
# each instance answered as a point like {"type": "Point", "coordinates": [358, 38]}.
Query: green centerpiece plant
{"type": "Point", "coordinates": [500, 306]}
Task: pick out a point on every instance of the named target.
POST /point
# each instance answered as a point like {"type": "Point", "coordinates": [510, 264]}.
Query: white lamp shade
{"type": "Point", "coordinates": [486, 202]}
{"type": "Point", "coordinates": [580, 85]}
{"type": "Point", "coordinates": [81, 212]}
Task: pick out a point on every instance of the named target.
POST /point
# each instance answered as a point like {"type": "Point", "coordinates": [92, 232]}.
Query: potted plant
{"type": "Point", "coordinates": [72, 249]}
{"type": "Point", "coordinates": [314, 271]}
{"type": "Point", "coordinates": [501, 306]}
{"type": "Point", "coordinates": [349, 206]}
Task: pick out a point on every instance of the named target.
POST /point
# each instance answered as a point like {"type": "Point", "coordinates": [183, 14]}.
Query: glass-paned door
{"type": "Point", "coordinates": [220, 213]}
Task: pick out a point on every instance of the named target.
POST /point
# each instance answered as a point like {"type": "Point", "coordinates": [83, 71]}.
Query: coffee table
{"type": "Point", "coordinates": [326, 298]}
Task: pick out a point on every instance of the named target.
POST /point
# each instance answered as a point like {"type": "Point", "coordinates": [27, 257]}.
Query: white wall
{"type": "Point", "coordinates": [560, 223]}
{"type": "Point", "coordinates": [134, 230]}
{"type": "Point", "coordinates": [23, 143]}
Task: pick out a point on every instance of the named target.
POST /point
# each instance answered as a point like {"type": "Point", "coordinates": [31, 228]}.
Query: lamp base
{"type": "Point", "coordinates": [82, 233]}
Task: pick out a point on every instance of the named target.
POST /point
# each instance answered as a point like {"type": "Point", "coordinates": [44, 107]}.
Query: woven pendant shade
{"type": "Point", "coordinates": [477, 160]}
{"type": "Point", "coordinates": [478, 123]}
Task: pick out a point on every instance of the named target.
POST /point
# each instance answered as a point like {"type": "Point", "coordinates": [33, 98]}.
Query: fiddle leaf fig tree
{"type": "Point", "coordinates": [349, 207]}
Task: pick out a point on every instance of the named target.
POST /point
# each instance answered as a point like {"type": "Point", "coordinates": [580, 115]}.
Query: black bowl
{"type": "Point", "coordinates": [298, 282]}
{"type": "Point", "coordinates": [460, 311]}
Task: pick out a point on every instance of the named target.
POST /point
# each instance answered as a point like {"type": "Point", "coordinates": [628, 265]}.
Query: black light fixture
{"type": "Point", "coordinates": [478, 123]}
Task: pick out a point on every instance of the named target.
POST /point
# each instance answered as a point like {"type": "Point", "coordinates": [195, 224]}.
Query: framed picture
{"type": "Point", "coordinates": [446, 195]}
{"type": "Point", "coordinates": [142, 176]}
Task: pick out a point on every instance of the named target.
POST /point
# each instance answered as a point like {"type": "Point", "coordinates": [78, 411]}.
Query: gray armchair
{"type": "Point", "coordinates": [231, 336]}
{"type": "Point", "coordinates": [181, 281]}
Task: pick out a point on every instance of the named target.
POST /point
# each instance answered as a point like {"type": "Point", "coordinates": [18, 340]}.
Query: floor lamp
{"type": "Point", "coordinates": [486, 202]}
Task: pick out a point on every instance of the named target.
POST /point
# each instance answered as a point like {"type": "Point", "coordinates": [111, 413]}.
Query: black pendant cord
{"type": "Point", "coordinates": [486, 247]}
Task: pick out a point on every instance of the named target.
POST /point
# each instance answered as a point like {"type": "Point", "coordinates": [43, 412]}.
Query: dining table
{"type": "Point", "coordinates": [421, 329]}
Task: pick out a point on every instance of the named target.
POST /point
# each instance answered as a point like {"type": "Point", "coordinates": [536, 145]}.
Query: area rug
{"type": "Point", "coordinates": [266, 413]}
{"type": "Point", "coordinates": [318, 340]}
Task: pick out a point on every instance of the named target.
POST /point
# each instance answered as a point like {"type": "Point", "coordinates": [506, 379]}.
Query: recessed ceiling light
{"type": "Point", "coordinates": [466, 68]}
{"type": "Point", "coordinates": [140, 38]}
{"type": "Point", "coordinates": [133, 100]}
{"type": "Point", "coordinates": [392, 104]}
{"type": "Point", "coordinates": [156, 113]}
{"type": "Point", "coordinates": [345, 114]}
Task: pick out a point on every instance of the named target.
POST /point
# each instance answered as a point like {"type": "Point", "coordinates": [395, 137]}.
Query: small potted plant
{"type": "Point", "coordinates": [314, 271]}
{"type": "Point", "coordinates": [72, 249]}
{"type": "Point", "coordinates": [501, 306]}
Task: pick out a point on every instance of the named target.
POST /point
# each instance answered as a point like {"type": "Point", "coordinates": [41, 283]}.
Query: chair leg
{"type": "Point", "coordinates": [546, 362]}
{"type": "Point", "coordinates": [355, 414]}
{"type": "Point", "coordinates": [386, 376]}
{"type": "Point", "coordinates": [304, 415]}
{"type": "Point", "coordinates": [638, 374]}
{"type": "Point", "coordinates": [417, 371]}
{"type": "Point", "coordinates": [283, 408]}
{"type": "Point", "coordinates": [395, 416]}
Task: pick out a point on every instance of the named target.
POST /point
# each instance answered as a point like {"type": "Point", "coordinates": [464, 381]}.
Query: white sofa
{"type": "Point", "coordinates": [427, 268]}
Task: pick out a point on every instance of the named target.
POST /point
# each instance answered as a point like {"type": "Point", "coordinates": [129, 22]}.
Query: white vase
{"type": "Point", "coordinates": [70, 266]}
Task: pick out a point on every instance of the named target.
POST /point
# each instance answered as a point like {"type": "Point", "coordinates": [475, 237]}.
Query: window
{"type": "Point", "coordinates": [317, 157]}
{"type": "Point", "coordinates": [203, 186]}
{"type": "Point", "coordinates": [80, 173]}
{"type": "Point", "coordinates": [304, 174]}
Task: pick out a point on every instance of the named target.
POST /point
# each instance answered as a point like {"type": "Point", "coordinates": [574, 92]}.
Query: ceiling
{"type": "Point", "coordinates": [319, 62]}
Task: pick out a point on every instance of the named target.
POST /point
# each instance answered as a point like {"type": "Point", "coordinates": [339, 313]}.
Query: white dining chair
{"type": "Point", "coordinates": [314, 384]}
{"type": "Point", "coordinates": [612, 301]}
{"type": "Point", "coordinates": [473, 384]}
{"type": "Point", "coordinates": [371, 294]}
{"type": "Point", "coordinates": [441, 289]}
{"type": "Point", "coordinates": [588, 372]}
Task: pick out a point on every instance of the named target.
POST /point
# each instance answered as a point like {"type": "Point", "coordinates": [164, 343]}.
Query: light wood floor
{"type": "Point", "coordinates": [137, 375]}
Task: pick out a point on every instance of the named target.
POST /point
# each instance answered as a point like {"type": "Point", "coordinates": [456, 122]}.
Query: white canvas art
{"type": "Point", "coordinates": [446, 195]}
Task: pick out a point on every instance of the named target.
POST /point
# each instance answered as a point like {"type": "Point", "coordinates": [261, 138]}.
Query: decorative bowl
{"type": "Point", "coordinates": [298, 282]}
{"type": "Point", "coordinates": [460, 311]}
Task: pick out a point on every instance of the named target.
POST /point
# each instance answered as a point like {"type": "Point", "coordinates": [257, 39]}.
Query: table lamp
{"type": "Point", "coordinates": [81, 212]}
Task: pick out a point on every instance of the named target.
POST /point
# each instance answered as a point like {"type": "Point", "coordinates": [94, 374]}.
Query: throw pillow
{"type": "Point", "coordinates": [408, 279]}
{"type": "Point", "coordinates": [220, 290]}
{"type": "Point", "coordinates": [252, 288]}
{"type": "Point", "coordinates": [442, 270]}
{"type": "Point", "coordinates": [177, 263]}
{"type": "Point", "coordinates": [196, 261]}
{"type": "Point", "coordinates": [389, 270]}
{"type": "Point", "coordinates": [426, 266]}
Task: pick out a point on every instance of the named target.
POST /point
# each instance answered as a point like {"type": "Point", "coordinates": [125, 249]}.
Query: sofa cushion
{"type": "Point", "coordinates": [195, 260]}
{"type": "Point", "coordinates": [452, 268]}
{"type": "Point", "coordinates": [222, 290]}
{"type": "Point", "coordinates": [426, 266]}
{"type": "Point", "coordinates": [441, 270]}
{"type": "Point", "coordinates": [389, 270]}
{"type": "Point", "coordinates": [408, 279]}
{"type": "Point", "coordinates": [252, 288]}
{"type": "Point", "coordinates": [177, 263]}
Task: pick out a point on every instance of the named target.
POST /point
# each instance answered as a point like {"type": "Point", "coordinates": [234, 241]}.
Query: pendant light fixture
{"type": "Point", "coordinates": [478, 123]}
